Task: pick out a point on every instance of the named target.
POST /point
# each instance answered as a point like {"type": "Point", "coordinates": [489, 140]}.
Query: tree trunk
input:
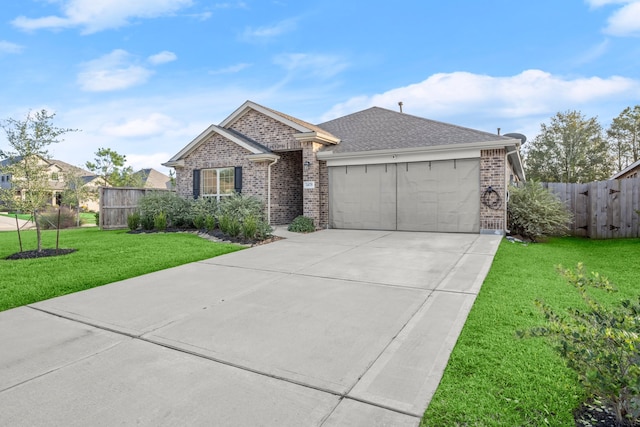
{"type": "Point", "coordinates": [38, 234]}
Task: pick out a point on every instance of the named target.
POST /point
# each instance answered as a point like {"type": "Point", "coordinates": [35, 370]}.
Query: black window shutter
{"type": "Point", "coordinates": [237, 179]}
{"type": "Point", "coordinates": [196, 183]}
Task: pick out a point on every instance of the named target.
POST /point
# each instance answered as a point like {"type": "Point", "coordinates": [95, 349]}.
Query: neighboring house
{"type": "Point", "coordinates": [57, 171]}
{"type": "Point", "coordinates": [151, 178]}
{"type": "Point", "coordinates": [631, 171]}
{"type": "Point", "coordinates": [374, 169]}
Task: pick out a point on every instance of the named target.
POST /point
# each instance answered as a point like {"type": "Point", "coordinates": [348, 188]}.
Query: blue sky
{"type": "Point", "coordinates": [145, 77]}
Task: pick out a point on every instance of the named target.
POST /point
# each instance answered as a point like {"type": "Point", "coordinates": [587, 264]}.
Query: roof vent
{"type": "Point", "coordinates": [400, 105]}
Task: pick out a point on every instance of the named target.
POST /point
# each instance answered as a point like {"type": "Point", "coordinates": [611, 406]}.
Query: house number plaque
{"type": "Point", "coordinates": [309, 185]}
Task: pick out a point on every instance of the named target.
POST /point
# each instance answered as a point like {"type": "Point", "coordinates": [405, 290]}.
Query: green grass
{"type": "Point", "coordinates": [496, 379]}
{"type": "Point", "coordinates": [102, 257]}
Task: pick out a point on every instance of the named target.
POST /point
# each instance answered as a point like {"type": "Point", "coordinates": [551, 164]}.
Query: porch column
{"type": "Point", "coordinates": [311, 181]}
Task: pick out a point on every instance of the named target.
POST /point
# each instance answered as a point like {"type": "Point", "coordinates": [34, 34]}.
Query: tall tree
{"type": "Point", "coordinates": [571, 148]}
{"type": "Point", "coordinates": [109, 165]}
{"type": "Point", "coordinates": [29, 142]}
{"type": "Point", "coordinates": [624, 137]}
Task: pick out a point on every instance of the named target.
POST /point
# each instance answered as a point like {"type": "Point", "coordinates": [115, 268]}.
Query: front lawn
{"type": "Point", "coordinates": [102, 257]}
{"type": "Point", "coordinates": [495, 378]}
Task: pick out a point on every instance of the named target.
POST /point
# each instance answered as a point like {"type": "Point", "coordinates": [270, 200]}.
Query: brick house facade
{"type": "Point", "coordinates": [286, 162]}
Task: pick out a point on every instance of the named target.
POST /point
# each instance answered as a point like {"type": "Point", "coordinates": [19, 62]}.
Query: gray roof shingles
{"type": "Point", "coordinates": [379, 129]}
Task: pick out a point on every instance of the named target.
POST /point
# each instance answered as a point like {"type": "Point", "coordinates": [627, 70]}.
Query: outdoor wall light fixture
{"type": "Point", "coordinates": [306, 165]}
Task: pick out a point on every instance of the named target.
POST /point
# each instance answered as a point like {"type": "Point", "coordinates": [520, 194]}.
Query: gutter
{"type": "Point", "coordinates": [262, 158]}
{"type": "Point", "coordinates": [330, 155]}
{"type": "Point", "coordinates": [269, 188]}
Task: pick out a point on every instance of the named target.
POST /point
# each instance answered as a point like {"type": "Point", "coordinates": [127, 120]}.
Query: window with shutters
{"type": "Point", "coordinates": [217, 182]}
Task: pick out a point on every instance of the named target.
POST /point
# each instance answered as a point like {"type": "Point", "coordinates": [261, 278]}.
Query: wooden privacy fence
{"type": "Point", "coordinates": [116, 203]}
{"type": "Point", "coordinates": [602, 209]}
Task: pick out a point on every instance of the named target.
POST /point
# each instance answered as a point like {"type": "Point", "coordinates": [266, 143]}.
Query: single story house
{"type": "Point", "coordinates": [375, 169]}
{"type": "Point", "coordinates": [631, 171]}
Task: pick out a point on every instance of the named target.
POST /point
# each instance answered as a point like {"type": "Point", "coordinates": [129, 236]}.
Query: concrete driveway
{"type": "Point", "coordinates": [334, 328]}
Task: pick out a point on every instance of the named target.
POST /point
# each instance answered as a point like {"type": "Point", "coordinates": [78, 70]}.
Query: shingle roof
{"type": "Point", "coordinates": [247, 140]}
{"type": "Point", "coordinates": [380, 129]}
{"type": "Point", "coordinates": [628, 169]}
{"type": "Point", "coordinates": [153, 179]}
{"type": "Point", "coordinates": [69, 167]}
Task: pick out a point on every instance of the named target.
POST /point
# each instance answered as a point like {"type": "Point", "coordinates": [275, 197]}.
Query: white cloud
{"type": "Point", "coordinates": [114, 71]}
{"type": "Point", "coordinates": [150, 160]}
{"type": "Point", "coordinates": [532, 93]}
{"type": "Point", "coordinates": [599, 3]}
{"type": "Point", "coordinates": [97, 15]}
{"type": "Point", "coordinates": [162, 57]}
{"type": "Point", "coordinates": [268, 32]}
{"type": "Point", "coordinates": [593, 53]}
{"type": "Point", "coordinates": [153, 124]}
{"type": "Point", "coordinates": [8, 47]}
{"type": "Point", "coordinates": [231, 5]}
{"type": "Point", "coordinates": [230, 69]}
{"type": "Point", "coordinates": [625, 21]}
{"type": "Point", "coordinates": [317, 65]}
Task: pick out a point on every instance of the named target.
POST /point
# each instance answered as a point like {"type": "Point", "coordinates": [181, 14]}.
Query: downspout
{"type": "Point", "coordinates": [269, 189]}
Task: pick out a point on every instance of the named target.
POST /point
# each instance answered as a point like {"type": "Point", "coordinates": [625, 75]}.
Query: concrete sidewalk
{"type": "Point", "coordinates": [333, 328]}
{"type": "Point", "coordinates": [9, 224]}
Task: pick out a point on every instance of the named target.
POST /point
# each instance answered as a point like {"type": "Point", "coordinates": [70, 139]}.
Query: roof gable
{"type": "Point", "coordinates": [297, 124]}
{"type": "Point", "coordinates": [235, 137]}
{"type": "Point", "coordinates": [305, 129]}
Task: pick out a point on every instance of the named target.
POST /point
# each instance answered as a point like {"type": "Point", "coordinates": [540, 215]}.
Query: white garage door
{"type": "Point", "coordinates": [419, 196]}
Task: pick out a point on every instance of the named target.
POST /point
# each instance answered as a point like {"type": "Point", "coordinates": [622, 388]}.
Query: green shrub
{"type": "Point", "coordinates": [177, 210]}
{"type": "Point", "coordinates": [205, 206]}
{"type": "Point", "coordinates": [48, 219]}
{"type": "Point", "coordinates": [302, 224]}
{"type": "Point", "coordinates": [210, 222]}
{"type": "Point", "coordinates": [534, 212]}
{"type": "Point", "coordinates": [224, 223]}
{"type": "Point", "coordinates": [146, 222]}
{"type": "Point", "coordinates": [97, 215]}
{"type": "Point", "coordinates": [250, 227]}
{"type": "Point", "coordinates": [160, 221]}
{"type": "Point", "coordinates": [601, 344]}
{"type": "Point", "coordinates": [133, 221]}
{"type": "Point", "coordinates": [230, 225]}
{"type": "Point", "coordinates": [240, 206]}
{"type": "Point", "coordinates": [263, 230]}
{"type": "Point", "coordinates": [199, 221]}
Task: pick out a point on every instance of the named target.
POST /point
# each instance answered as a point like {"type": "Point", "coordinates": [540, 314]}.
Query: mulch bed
{"type": "Point", "coordinates": [591, 415]}
{"type": "Point", "coordinates": [213, 235]}
{"type": "Point", "coordinates": [40, 254]}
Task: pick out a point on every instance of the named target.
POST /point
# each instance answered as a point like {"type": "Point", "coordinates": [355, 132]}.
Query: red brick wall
{"type": "Point", "coordinates": [493, 168]}
{"type": "Point", "coordinates": [266, 131]}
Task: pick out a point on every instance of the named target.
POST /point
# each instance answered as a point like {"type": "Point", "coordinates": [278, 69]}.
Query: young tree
{"type": "Point", "coordinates": [109, 165]}
{"type": "Point", "coordinates": [75, 191]}
{"type": "Point", "coordinates": [569, 149]}
{"type": "Point", "coordinates": [624, 137]}
{"type": "Point", "coordinates": [29, 142]}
